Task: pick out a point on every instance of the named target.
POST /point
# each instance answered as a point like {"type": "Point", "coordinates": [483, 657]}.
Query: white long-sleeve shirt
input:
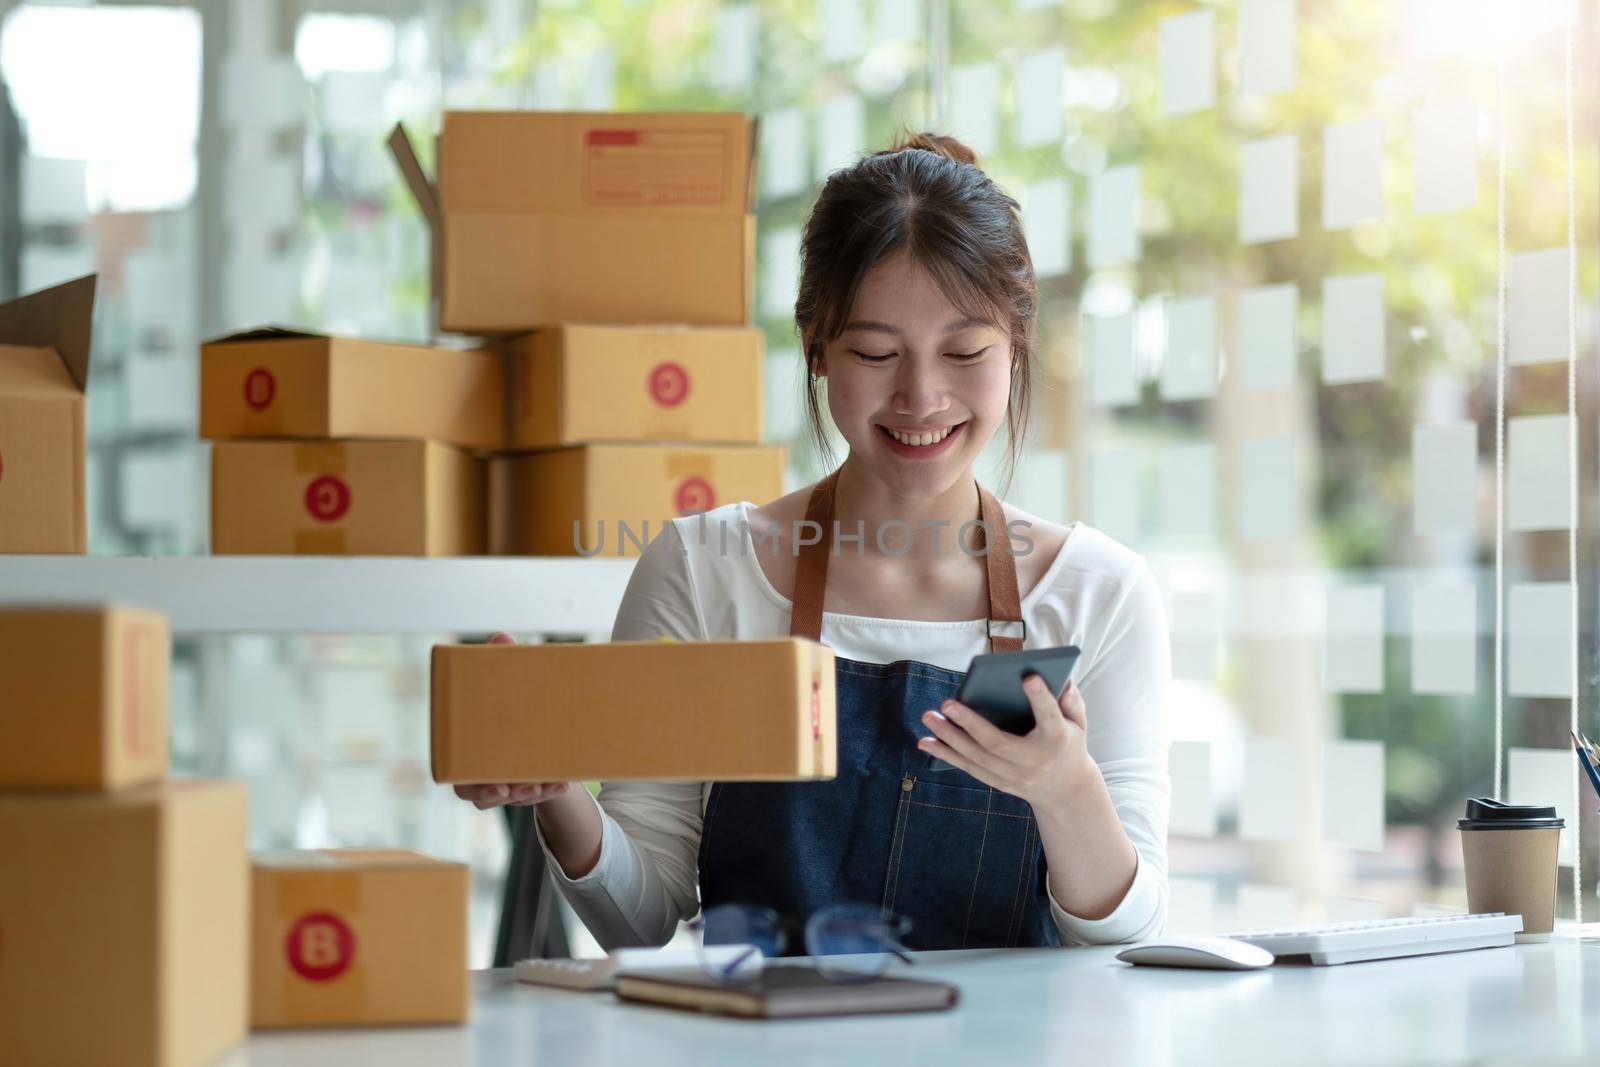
{"type": "Point", "coordinates": [701, 580]}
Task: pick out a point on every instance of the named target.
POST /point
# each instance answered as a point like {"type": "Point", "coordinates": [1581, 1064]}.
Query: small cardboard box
{"type": "Point", "coordinates": [578, 384]}
{"type": "Point", "coordinates": [83, 697]}
{"type": "Point", "coordinates": [609, 500]}
{"type": "Point", "coordinates": [44, 368]}
{"type": "Point", "coordinates": [334, 498]}
{"type": "Point", "coordinates": [347, 937]}
{"type": "Point", "coordinates": [123, 926]}
{"type": "Point", "coordinates": [544, 217]}
{"type": "Point", "coordinates": [723, 710]}
{"type": "Point", "coordinates": [279, 383]}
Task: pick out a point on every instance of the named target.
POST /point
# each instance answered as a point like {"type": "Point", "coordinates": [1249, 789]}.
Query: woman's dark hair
{"type": "Point", "coordinates": [926, 197]}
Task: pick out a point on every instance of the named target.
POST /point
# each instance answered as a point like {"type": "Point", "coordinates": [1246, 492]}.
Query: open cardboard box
{"type": "Point", "coordinates": [543, 217]}
{"type": "Point", "coordinates": [44, 369]}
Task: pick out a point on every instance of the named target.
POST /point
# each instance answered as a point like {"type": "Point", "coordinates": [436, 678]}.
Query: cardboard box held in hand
{"type": "Point", "coordinates": [354, 936]}
{"type": "Point", "coordinates": [545, 217]}
{"type": "Point", "coordinates": [695, 711]}
{"type": "Point", "coordinates": [83, 697]}
{"type": "Point", "coordinates": [44, 369]}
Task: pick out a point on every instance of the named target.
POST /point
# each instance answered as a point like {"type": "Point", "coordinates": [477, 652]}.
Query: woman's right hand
{"type": "Point", "coordinates": [510, 794]}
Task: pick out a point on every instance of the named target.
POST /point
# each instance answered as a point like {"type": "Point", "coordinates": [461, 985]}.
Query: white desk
{"type": "Point", "coordinates": [1074, 1006]}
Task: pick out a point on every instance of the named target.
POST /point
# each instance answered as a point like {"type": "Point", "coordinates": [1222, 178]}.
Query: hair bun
{"type": "Point", "coordinates": [940, 144]}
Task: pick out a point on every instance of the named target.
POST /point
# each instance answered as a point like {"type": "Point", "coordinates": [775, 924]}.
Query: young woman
{"type": "Point", "coordinates": [915, 310]}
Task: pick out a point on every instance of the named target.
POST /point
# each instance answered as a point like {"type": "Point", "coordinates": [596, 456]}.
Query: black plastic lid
{"type": "Point", "coordinates": [1486, 814]}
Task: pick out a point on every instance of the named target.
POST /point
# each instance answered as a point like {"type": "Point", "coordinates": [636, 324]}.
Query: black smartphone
{"type": "Point", "coordinates": [993, 686]}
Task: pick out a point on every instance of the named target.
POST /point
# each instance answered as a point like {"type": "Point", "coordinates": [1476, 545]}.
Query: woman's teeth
{"type": "Point", "coordinates": [920, 439]}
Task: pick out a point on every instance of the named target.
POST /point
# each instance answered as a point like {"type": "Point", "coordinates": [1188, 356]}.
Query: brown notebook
{"type": "Point", "coordinates": [786, 992]}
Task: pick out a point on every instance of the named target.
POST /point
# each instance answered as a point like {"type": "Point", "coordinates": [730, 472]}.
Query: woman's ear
{"type": "Point", "coordinates": [816, 365]}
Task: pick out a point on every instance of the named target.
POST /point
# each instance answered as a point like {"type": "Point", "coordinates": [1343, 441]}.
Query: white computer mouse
{"type": "Point", "coordinates": [1218, 953]}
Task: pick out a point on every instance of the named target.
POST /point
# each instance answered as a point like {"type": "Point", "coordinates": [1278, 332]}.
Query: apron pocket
{"type": "Point", "coordinates": [963, 863]}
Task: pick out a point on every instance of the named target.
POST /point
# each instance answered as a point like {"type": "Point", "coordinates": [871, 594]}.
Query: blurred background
{"type": "Point", "coordinates": [1271, 238]}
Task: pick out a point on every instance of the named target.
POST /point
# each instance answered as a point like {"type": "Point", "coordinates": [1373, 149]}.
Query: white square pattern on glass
{"type": "Point", "coordinates": [1352, 794]}
{"type": "Point", "coordinates": [1353, 648]}
{"type": "Point", "coordinates": [1539, 639]}
{"type": "Point", "coordinates": [784, 140]}
{"type": "Point", "coordinates": [1047, 218]}
{"type": "Point", "coordinates": [1268, 799]}
{"type": "Point", "coordinates": [1444, 638]}
{"type": "Point", "coordinates": [1266, 484]}
{"type": "Point", "coordinates": [1537, 287]}
{"type": "Point", "coordinates": [1188, 59]}
{"type": "Point", "coordinates": [975, 107]}
{"type": "Point", "coordinates": [1266, 46]}
{"type": "Point", "coordinates": [1268, 337]}
{"type": "Point", "coordinates": [1112, 378]}
{"type": "Point", "coordinates": [1444, 158]}
{"type": "Point", "coordinates": [1269, 189]}
{"type": "Point", "coordinates": [1546, 777]}
{"type": "Point", "coordinates": [1352, 173]}
{"type": "Point", "coordinates": [1444, 478]}
{"type": "Point", "coordinates": [1538, 471]}
{"type": "Point", "coordinates": [1196, 635]}
{"type": "Point", "coordinates": [1116, 494]}
{"type": "Point", "coordinates": [1189, 490]}
{"type": "Point", "coordinates": [1352, 329]}
{"type": "Point", "coordinates": [1114, 217]}
{"type": "Point", "coordinates": [1194, 800]}
{"type": "Point", "coordinates": [1038, 97]}
{"type": "Point", "coordinates": [1189, 369]}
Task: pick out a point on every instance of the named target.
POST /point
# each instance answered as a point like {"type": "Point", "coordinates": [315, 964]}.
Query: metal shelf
{"type": "Point", "coordinates": [327, 594]}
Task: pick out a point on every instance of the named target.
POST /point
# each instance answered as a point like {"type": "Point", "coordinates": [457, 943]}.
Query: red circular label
{"type": "Point", "coordinates": [259, 389]}
{"type": "Point", "coordinates": [669, 384]}
{"type": "Point", "coordinates": [694, 494]}
{"type": "Point", "coordinates": [320, 946]}
{"type": "Point", "coordinates": [328, 498]}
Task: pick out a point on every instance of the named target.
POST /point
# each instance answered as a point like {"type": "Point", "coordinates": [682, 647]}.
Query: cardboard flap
{"type": "Point", "coordinates": [266, 333]}
{"type": "Point", "coordinates": [750, 170]}
{"type": "Point", "coordinates": [60, 317]}
{"type": "Point", "coordinates": [405, 158]}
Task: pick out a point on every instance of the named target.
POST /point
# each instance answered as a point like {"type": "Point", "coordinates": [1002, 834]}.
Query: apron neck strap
{"type": "Point", "coordinates": [811, 571]}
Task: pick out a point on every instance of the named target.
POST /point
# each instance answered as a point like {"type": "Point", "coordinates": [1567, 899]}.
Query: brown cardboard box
{"type": "Point", "coordinates": [279, 383]}
{"type": "Point", "coordinates": [544, 217]}
{"type": "Point", "coordinates": [359, 498]}
{"type": "Point", "coordinates": [620, 495]}
{"type": "Point", "coordinates": [83, 697]}
{"type": "Point", "coordinates": [577, 384]}
{"type": "Point", "coordinates": [657, 710]}
{"type": "Point", "coordinates": [44, 367]}
{"type": "Point", "coordinates": [346, 937]}
{"type": "Point", "coordinates": [123, 926]}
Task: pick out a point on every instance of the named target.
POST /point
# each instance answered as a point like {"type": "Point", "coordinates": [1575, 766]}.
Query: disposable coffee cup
{"type": "Point", "coordinates": [1510, 853]}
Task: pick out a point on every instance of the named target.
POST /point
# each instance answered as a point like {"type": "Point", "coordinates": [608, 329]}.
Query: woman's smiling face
{"type": "Point", "coordinates": [915, 386]}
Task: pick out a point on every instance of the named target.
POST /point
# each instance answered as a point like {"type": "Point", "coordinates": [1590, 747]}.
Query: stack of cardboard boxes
{"type": "Point", "coordinates": [124, 903]}
{"type": "Point", "coordinates": [331, 446]}
{"type": "Point", "coordinates": [44, 367]}
{"type": "Point", "coordinates": [626, 244]}
{"type": "Point", "coordinates": [609, 261]}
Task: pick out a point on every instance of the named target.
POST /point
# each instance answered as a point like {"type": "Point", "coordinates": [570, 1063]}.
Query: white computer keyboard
{"type": "Point", "coordinates": [1382, 939]}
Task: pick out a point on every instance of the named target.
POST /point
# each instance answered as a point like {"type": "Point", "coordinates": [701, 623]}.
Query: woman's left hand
{"type": "Point", "coordinates": [1044, 766]}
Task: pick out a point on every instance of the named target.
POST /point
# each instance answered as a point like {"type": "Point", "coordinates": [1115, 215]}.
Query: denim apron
{"type": "Point", "coordinates": [896, 827]}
